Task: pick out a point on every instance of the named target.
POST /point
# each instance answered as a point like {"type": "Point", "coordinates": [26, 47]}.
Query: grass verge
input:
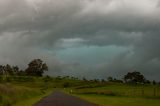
{"type": "Point", "coordinates": [103, 100]}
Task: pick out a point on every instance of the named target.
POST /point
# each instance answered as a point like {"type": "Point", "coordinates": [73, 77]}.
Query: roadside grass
{"type": "Point", "coordinates": [25, 91]}
{"type": "Point", "coordinates": [122, 90]}
{"type": "Point", "coordinates": [103, 100]}
{"type": "Point", "coordinates": [121, 95]}
{"type": "Point", "coordinates": [21, 91]}
{"type": "Point", "coordinates": [11, 94]}
{"type": "Point", "coordinates": [31, 101]}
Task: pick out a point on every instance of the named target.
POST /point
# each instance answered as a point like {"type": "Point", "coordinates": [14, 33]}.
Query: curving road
{"type": "Point", "coordinates": [62, 99]}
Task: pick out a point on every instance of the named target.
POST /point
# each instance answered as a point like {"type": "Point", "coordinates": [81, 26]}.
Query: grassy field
{"type": "Point", "coordinates": [25, 91]}
{"type": "Point", "coordinates": [11, 94]}
{"type": "Point", "coordinates": [122, 90]}
{"type": "Point", "coordinates": [104, 100]}
{"type": "Point", "coordinates": [32, 100]}
{"type": "Point", "coordinates": [121, 95]}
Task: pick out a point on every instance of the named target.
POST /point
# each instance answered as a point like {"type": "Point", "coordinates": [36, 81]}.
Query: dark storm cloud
{"type": "Point", "coordinates": [36, 28]}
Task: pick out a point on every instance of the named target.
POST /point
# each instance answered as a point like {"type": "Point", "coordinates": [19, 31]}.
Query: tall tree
{"type": "Point", "coordinates": [15, 69]}
{"type": "Point", "coordinates": [134, 77]}
{"type": "Point", "coordinates": [8, 69]}
{"type": "Point", "coordinates": [36, 67]}
{"type": "Point", "coordinates": [1, 69]}
{"type": "Point", "coordinates": [110, 79]}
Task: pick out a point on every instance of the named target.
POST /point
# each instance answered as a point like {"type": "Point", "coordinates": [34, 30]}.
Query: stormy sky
{"type": "Point", "coordinates": [82, 38]}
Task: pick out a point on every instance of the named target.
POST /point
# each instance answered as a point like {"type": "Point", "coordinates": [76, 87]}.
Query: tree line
{"type": "Point", "coordinates": [134, 77]}
{"type": "Point", "coordinates": [35, 68]}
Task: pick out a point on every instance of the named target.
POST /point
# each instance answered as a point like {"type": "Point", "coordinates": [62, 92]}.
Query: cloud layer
{"type": "Point", "coordinates": [44, 29]}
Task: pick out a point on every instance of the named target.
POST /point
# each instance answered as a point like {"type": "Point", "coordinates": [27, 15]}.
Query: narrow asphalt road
{"type": "Point", "coordinates": [62, 99]}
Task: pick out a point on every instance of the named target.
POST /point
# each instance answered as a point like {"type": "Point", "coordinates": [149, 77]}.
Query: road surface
{"type": "Point", "coordinates": [61, 99]}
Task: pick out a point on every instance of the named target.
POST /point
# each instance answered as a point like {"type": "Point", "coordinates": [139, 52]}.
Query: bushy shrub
{"type": "Point", "coordinates": [1, 79]}
{"type": "Point", "coordinates": [66, 84]}
{"type": "Point", "coordinates": [47, 78]}
{"type": "Point", "coordinates": [8, 79]}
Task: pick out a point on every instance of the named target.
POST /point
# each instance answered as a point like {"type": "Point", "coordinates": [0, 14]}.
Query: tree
{"type": "Point", "coordinates": [110, 79]}
{"type": "Point", "coordinates": [1, 69]}
{"type": "Point", "coordinates": [134, 77]}
{"type": "Point", "coordinates": [102, 80]}
{"type": "Point", "coordinates": [15, 69]}
{"type": "Point", "coordinates": [8, 69]}
{"type": "Point", "coordinates": [84, 79]}
{"type": "Point", "coordinates": [148, 82]}
{"type": "Point", "coordinates": [154, 82]}
{"type": "Point", "coordinates": [117, 80]}
{"type": "Point", "coordinates": [36, 67]}
{"type": "Point", "coordinates": [21, 73]}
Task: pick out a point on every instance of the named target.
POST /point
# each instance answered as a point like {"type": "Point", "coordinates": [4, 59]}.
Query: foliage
{"type": "Point", "coordinates": [116, 94]}
{"type": "Point", "coordinates": [105, 100]}
{"type": "Point", "coordinates": [47, 78]}
{"type": "Point", "coordinates": [29, 89]}
{"type": "Point", "coordinates": [154, 82]}
{"type": "Point", "coordinates": [66, 84]}
{"type": "Point", "coordinates": [36, 67]}
{"type": "Point", "coordinates": [134, 77]}
{"type": "Point", "coordinates": [110, 79]}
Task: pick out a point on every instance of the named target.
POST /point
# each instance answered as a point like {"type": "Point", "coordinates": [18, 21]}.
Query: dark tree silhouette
{"type": "Point", "coordinates": [134, 77]}
{"type": "Point", "coordinates": [1, 69]}
{"type": "Point", "coordinates": [36, 67]}
{"type": "Point", "coordinates": [15, 69]}
{"type": "Point", "coordinates": [154, 82]}
{"type": "Point", "coordinates": [110, 79]}
{"type": "Point", "coordinates": [8, 70]}
{"type": "Point", "coordinates": [21, 73]}
{"type": "Point", "coordinates": [102, 80]}
{"type": "Point", "coordinates": [148, 82]}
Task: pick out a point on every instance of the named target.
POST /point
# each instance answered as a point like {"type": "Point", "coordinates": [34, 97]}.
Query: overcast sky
{"type": "Point", "coordinates": [82, 38]}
